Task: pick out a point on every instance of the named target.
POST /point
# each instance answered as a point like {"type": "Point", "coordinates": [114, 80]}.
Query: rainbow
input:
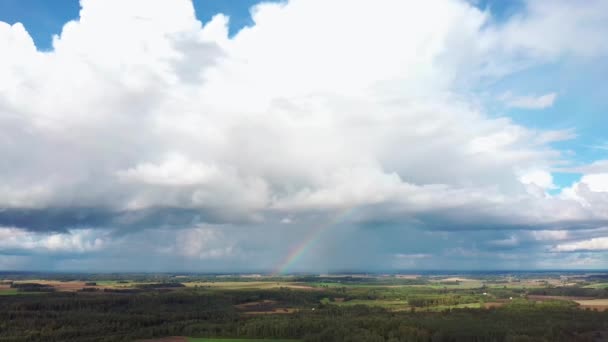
{"type": "Point", "coordinates": [296, 253]}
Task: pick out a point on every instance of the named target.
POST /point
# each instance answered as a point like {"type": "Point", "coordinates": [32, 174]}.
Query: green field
{"type": "Point", "coordinates": [387, 304]}
{"type": "Point", "coordinates": [16, 292]}
{"type": "Point", "coordinates": [439, 308]}
{"type": "Point", "coordinates": [114, 283]}
{"type": "Point", "coordinates": [235, 340]}
{"type": "Point", "coordinates": [9, 292]}
{"type": "Point", "coordinates": [597, 286]}
{"type": "Point", "coordinates": [238, 285]}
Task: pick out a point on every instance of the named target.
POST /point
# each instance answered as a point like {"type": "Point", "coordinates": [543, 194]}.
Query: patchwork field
{"type": "Point", "coordinates": [193, 339]}
{"type": "Point", "coordinates": [387, 304]}
{"type": "Point", "coordinates": [67, 286]}
{"type": "Point", "coordinates": [300, 307]}
{"type": "Point", "coordinates": [244, 285]}
{"type": "Point", "coordinates": [235, 340]}
{"type": "Point", "coordinates": [440, 308]}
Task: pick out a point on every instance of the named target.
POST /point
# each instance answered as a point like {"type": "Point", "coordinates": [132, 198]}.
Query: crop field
{"type": "Point", "coordinates": [455, 284]}
{"type": "Point", "coordinates": [194, 339]}
{"type": "Point", "coordinates": [115, 283]}
{"type": "Point", "coordinates": [388, 304]}
{"type": "Point", "coordinates": [440, 308]}
{"type": "Point", "coordinates": [235, 340]}
{"type": "Point", "coordinates": [597, 286]}
{"type": "Point", "coordinates": [8, 292]}
{"type": "Point", "coordinates": [594, 304]}
{"type": "Point", "coordinates": [292, 308]}
{"type": "Point", "coordinates": [244, 285]}
{"type": "Point", "coordinates": [67, 286]}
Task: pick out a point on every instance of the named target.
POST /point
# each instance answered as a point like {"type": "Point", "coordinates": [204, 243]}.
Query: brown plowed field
{"type": "Point", "coordinates": [264, 307]}
{"type": "Point", "coordinates": [543, 298]}
{"type": "Point", "coordinates": [492, 305]}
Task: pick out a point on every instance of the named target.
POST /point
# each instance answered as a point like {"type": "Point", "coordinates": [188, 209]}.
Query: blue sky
{"type": "Point", "coordinates": [371, 135]}
{"type": "Point", "coordinates": [44, 19]}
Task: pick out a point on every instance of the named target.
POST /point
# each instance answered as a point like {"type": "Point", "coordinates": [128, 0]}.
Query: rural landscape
{"type": "Point", "coordinates": [303, 170]}
{"type": "Point", "coordinates": [495, 306]}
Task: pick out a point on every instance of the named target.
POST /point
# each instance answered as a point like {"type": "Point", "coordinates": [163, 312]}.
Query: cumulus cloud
{"type": "Point", "coordinates": [142, 117]}
{"type": "Point", "coordinates": [595, 244]}
{"type": "Point", "coordinates": [202, 243]}
{"type": "Point", "coordinates": [76, 241]}
{"type": "Point", "coordinates": [597, 182]}
{"type": "Point", "coordinates": [539, 178]}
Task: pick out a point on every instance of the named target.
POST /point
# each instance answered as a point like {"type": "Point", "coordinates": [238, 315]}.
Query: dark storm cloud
{"type": "Point", "coordinates": [64, 219]}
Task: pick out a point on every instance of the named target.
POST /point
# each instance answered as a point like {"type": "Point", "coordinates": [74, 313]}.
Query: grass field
{"type": "Point", "coordinates": [597, 286]}
{"type": "Point", "coordinates": [437, 308]}
{"type": "Point", "coordinates": [15, 292]}
{"type": "Point", "coordinates": [433, 285]}
{"type": "Point", "coordinates": [237, 285]}
{"type": "Point", "coordinates": [8, 292]}
{"type": "Point", "coordinates": [387, 304]}
{"type": "Point", "coordinates": [113, 283]}
{"type": "Point", "coordinates": [350, 285]}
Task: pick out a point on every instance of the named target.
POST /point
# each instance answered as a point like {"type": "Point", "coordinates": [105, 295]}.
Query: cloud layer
{"type": "Point", "coordinates": [142, 118]}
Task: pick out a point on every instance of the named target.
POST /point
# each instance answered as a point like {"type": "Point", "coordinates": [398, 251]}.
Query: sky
{"type": "Point", "coordinates": [303, 135]}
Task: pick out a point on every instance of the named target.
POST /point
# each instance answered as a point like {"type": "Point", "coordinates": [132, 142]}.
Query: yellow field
{"type": "Point", "coordinates": [593, 302]}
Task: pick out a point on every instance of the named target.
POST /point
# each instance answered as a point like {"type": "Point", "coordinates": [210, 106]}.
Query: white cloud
{"type": "Point", "coordinates": [595, 244]}
{"type": "Point", "coordinates": [591, 191]}
{"type": "Point", "coordinates": [141, 106]}
{"type": "Point", "coordinates": [202, 243]}
{"type": "Point", "coordinates": [539, 178]}
{"type": "Point", "coordinates": [530, 102]}
{"type": "Point", "coordinates": [74, 241]}
{"type": "Point", "coordinates": [175, 170]}
{"type": "Point", "coordinates": [602, 146]}
{"type": "Point", "coordinates": [596, 167]}
{"type": "Point", "coordinates": [597, 182]}
{"type": "Point", "coordinates": [559, 28]}
{"type": "Point", "coordinates": [557, 135]}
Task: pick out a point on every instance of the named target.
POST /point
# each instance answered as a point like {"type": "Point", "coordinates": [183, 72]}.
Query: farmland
{"type": "Point", "coordinates": [235, 340]}
{"type": "Point", "coordinates": [8, 292]}
{"type": "Point", "coordinates": [193, 339]}
{"type": "Point", "coordinates": [164, 307]}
